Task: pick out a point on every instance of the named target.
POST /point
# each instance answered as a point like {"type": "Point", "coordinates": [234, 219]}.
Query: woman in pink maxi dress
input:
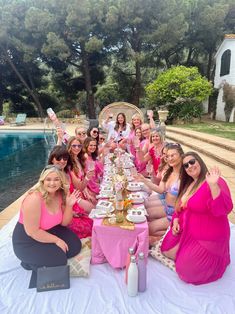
{"type": "Point", "coordinates": [198, 240]}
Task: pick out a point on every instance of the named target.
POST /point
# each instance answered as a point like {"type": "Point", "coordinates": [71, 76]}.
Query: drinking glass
{"type": "Point", "coordinates": [90, 166]}
{"type": "Point", "coordinates": [149, 169]}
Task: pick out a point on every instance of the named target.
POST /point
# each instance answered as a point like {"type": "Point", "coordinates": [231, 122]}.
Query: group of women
{"type": "Point", "coordinates": [185, 197]}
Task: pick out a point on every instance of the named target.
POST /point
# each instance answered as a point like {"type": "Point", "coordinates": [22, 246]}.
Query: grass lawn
{"type": "Point", "coordinates": [222, 129]}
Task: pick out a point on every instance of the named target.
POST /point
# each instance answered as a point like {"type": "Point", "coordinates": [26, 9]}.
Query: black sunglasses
{"type": "Point", "coordinates": [95, 131]}
{"type": "Point", "coordinates": [190, 162]}
{"type": "Point", "coordinates": [65, 158]}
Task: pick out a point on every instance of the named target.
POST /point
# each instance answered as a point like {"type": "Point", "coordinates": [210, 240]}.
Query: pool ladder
{"type": "Point", "coordinates": [50, 137]}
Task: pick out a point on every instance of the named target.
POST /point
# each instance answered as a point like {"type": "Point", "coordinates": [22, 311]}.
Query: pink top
{"type": "Point", "coordinates": [94, 183]}
{"type": "Point", "coordinates": [47, 220]}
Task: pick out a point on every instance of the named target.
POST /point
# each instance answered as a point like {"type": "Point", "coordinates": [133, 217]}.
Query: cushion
{"type": "Point", "coordinates": [80, 264]}
{"type": "Point", "coordinates": [156, 253]}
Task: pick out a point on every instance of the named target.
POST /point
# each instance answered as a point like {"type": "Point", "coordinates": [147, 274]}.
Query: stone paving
{"type": "Point", "coordinates": [206, 141]}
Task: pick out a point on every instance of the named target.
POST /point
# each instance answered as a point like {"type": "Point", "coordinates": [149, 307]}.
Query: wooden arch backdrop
{"type": "Point", "coordinates": [121, 106]}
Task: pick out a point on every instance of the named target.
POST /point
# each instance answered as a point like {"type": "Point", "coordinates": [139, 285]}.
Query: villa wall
{"type": "Point", "coordinates": [228, 43]}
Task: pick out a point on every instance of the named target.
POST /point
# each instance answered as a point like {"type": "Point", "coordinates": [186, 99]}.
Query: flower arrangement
{"type": "Point", "coordinates": [127, 204]}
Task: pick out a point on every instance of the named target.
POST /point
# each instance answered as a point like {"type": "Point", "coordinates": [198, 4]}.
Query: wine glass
{"type": "Point", "coordinates": [136, 142]}
{"type": "Point", "coordinates": [149, 169]}
{"type": "Point", "coordinates": [90, 165]}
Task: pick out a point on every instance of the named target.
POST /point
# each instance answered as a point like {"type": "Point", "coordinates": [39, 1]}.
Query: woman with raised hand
{"type": "Point", "coordinates": [153, 155]}
{"type": "Point", "coordinates": [198, 240]}
{"type": "Point", "coordinates": [161, 210]}
{"type": "Point", "coordinates": [40, 237]}
{"type": "Point", "coordinates": [117, 130]}
{"type": "Point", "coordinates": [81, 224]}
{"type": "Point", "coordinates": [94, 133]}
{"type": "Point", "coordinates": [77, 172]}
{"type": "Point", "coordinates": [92, 163]}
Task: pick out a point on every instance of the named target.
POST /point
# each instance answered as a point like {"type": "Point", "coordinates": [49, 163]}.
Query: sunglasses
{"type": "Point", "coordinates": [190, 162]}
{"type": "Point", "coordinates": [95, 131]}
{"type": "Point", "coordinates": [76, 145]}
{"type": "Point", "coordinates": [101, 139]}
{"type": "Point", "coordinates": [81, 133]}
{"type": "Point", "coordinates": [65, 158]}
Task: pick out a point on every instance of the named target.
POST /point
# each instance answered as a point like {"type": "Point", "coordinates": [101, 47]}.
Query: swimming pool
{"type": "Point", "coordinates": [22, 157]}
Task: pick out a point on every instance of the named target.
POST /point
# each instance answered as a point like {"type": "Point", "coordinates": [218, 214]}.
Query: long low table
{"type": "Point", "coordinates": [110, 244]}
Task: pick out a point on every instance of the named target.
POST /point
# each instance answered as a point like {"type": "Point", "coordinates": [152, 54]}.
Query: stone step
{"type": "Point", "coordinates": [209, 138]}
{"type": "Point", "coordinates": [215, 151]}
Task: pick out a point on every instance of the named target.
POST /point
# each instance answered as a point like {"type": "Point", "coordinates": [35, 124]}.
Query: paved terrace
{"type": "Point", "coordinates": [214, 151]}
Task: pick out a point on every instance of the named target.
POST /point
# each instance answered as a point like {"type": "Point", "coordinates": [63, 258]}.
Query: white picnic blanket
{"type": "Point", "coordinates": [105, 291]}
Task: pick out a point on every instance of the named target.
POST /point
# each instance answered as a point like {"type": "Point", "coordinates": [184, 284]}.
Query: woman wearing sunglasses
{"type": "Point", "coordinates": [198, 240]}
{"type": "Point", "coordinates": [94, 133]}
{"type": "Point", "coordinates": [81, 224]}
{"type": "Point", "coordinates": [81, 134]}
{"type": "Point", "coordinates": [40, 237]}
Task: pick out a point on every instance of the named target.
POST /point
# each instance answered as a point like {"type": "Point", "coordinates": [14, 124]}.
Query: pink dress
{"type": "Point", "coordinates": [140, 165]}
{"type": "Point", "coordinates": [94, 183]}
{"type": "Point", "coordinates": [80, 224]}
{"type": "Point", "coordinates": [203, 252]}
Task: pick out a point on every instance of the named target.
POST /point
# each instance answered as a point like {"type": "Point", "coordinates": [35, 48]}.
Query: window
{"type": "Point", "coordinates": [225, 62]}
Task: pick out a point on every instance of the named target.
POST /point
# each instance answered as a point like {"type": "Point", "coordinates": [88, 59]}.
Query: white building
{"type": "Point", "coordinates": [225, 72]}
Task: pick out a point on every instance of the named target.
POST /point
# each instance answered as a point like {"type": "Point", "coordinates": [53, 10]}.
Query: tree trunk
{"type": "Point", "coordinates": [39, 106]}
{"type": "Point", "coordinates": [12, 65]}
{"type": "Point", "coordinates": [136, 90]}
{"type": "Point", "coordinates": [209, 66]}
{"type": "Point", "coordinates": [88, 85]}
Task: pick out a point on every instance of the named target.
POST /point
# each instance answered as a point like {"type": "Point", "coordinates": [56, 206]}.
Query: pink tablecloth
{"type": "Point", "coordinates": [110, 244]}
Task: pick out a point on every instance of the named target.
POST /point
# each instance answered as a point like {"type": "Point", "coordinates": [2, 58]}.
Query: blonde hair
{"type": "Point", "coordinates": [135, 116]}
{"type": "Point", "coordinates": [159, 133]}
{"type": "Point", "coordinates": [39, 186]}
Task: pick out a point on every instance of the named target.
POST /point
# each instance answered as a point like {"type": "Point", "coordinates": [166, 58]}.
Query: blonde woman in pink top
{"type": "Point", "coordinates": [198, 240]}
{"type": "Point", "coordinates": [40, 237]}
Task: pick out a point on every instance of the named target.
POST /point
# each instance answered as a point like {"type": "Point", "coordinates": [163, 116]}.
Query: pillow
{"type": "Point", "coordinates": [80, 264]}
{"type": "Point", "coordinates": [156, 253]}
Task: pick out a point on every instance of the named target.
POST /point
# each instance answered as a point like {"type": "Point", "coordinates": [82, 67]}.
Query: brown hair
{"type": "Point", "coordinates": [117, 123]}
{"type": "Point", "coordinates": [186, 180]}
{"type": "Point", "coordinates": [86, 144]}
{"type": "Point", "coordinates": [179, 149]}
{"type": "Point", "coordinates": [80, 157]}
{"type": "Point", "coordinates": [57, 152]}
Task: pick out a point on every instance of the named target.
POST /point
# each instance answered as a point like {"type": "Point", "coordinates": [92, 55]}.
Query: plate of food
{"type": "Point", "coordinates": [136, 218]}
{"type": "Point", "coordinates": [101, 213]}
{"type": "Point", "coordinates": [136, 198]}
{"type": "Point", "coordinates": [135, 186]}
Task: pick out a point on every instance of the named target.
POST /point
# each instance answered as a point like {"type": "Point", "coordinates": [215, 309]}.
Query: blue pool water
{"type": "Point", "coordinates": [22, 157]}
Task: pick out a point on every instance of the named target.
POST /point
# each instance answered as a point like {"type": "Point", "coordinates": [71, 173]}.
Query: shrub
{"type": "Point", "coordinates": [65, 113]}
{"type": "Point", "coordinates": [181, 90]}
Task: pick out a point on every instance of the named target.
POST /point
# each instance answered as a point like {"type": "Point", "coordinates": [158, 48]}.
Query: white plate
{"type": "Point", "coordinates": [99, 213]}
{"type": "Point", "coordinates": [136, 219]}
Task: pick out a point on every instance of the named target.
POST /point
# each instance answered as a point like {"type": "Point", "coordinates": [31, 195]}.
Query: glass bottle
{"type": "Point", "coordinates": [142, 271]}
